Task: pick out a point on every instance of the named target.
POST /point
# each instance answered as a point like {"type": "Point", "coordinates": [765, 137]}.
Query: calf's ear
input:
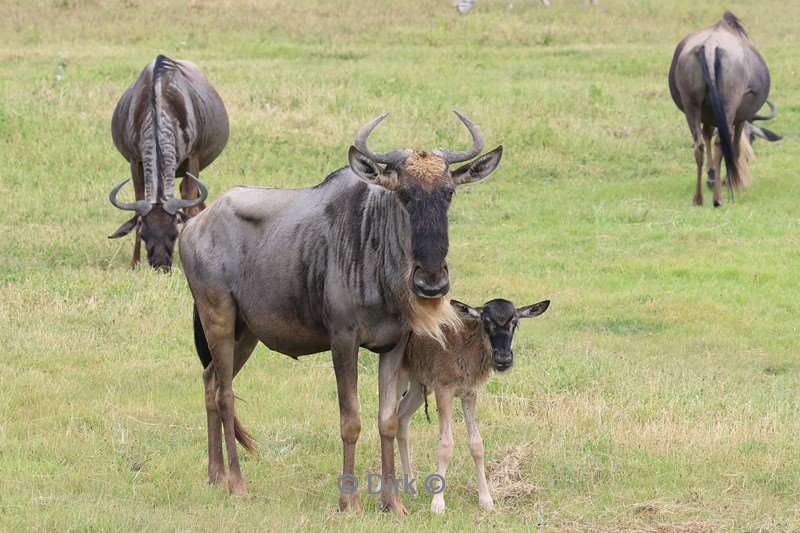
{"type": "Point", "coordinates": [536, 309]}
{"type": "Point", "coordinates": [125, 228]}
{"type": "Point", "coordinates": [465, 310]}
{"type": "Point", "coordinates": [479, 168]}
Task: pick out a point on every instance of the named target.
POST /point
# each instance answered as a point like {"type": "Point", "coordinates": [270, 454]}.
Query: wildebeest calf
{"type": "Point", "coordinates": [481, 345]}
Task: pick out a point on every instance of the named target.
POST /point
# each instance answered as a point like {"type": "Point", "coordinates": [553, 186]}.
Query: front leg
{"type": "Point", "coordinates": [189, 189]}
{"type": "Point", "coordinates": [389, 373]}
{"type": "Point", "coordinates": [413, 399]}
{"type": "Point", "coordinates": [444, 404]}
{"type": "Point", "coordinates": [345, 364]}
{"type": "Point", "coordinates": [476, 448]}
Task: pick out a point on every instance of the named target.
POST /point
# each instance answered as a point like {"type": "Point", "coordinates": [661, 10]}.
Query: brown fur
{"type": "Point", "coordinates": [464, 363]}
{"type": "Point", "coordinates": [425, 168]}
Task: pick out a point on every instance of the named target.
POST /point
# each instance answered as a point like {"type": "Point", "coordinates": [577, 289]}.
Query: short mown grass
{"type": "Point", "coordinates": [660, 392]}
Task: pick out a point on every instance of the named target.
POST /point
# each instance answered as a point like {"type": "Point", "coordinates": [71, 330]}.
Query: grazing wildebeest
{"type": "Point", "coordinates": [718, 79]}
{"type": "Point", "coordinates": [459, 369]}
{"type": "Point", "coordinates": [169, 123]}
{"type": "Point", "coordinates": [358, 260]}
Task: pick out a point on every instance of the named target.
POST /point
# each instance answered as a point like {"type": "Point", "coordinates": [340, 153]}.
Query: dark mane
{"type": "Point", "coordinates": [330, 177]}
{"type": "Point", "coordinates": [734, 22]}
{"type": "Point", "coordinates": [162, 66]}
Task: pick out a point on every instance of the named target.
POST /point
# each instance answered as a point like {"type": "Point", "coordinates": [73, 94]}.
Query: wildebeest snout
{"type": "Point", "coordinates": [503, 359]}
{"type": "Point", "coordinates": [431, 283]}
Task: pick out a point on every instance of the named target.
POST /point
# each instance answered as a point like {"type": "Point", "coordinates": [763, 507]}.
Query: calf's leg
{"type": "Point", "coordinates": [444, 404]}
{"type": "Point", "coordinates": [469, 403]}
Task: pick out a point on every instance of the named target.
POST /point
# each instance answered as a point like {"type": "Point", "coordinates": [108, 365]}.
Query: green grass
{"type": "Point", "coordinates": [659, 392]}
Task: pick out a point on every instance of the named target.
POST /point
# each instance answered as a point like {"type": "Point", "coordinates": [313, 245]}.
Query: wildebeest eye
{"type": "Point", "coordinates": [449, 194]}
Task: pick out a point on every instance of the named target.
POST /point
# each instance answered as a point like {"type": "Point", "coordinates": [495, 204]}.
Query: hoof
{"type": "Point", "coordinates": [437, 505]}
{"type": "Point", "coordinates": [237, 487]}
{"type": "Point", "coordinates": [717, 203]}
{"type": "Point", "coordinates": [349, 503]}
{"type": "Point", "coordinates": [698, 200]}
{"type": "Point", "coordinates": [392, 503]}
{"type": "Point", "coordinates": [216, 478]}
{"type": "Point", "coordinates": [487, 505]}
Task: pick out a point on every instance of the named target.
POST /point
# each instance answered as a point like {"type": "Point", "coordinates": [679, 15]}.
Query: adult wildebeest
{"type": "Point", "coordinates": [169, 123]}
{"type": "Point", "coordinates": [358, 260]}
{"type": "Point", "coordinates": [459, 370]}
{"type": "Point", "coordinates": [718, 79]}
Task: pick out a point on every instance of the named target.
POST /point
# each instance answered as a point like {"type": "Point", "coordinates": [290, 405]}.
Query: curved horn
{"type": "Point", "coordinates": [140, 206]}
{"type": "Point", "coordinates": [474, 150]}
{"type": "Point", "coordinates": [765, 117]}
{"type": "Point", "coordinates": [173, 204]}
{"type": "Point", "coordinates": [379, 157]}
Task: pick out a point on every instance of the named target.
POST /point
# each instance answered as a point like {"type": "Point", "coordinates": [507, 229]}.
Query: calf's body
{"type": "Point", "coordinates": [458, 370]}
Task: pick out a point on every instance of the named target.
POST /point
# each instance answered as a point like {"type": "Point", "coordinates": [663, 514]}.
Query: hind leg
{"type": "Point", "coordinates": [740, 155]}
{"type": "Point", "coordinates": [245, 344]}
{"type": "Point", "coordinates": [218, 315]}
{"type": "Point", "coordinates": [708, 137]}
{"type": "Point", "coordinates": [216, 465]}
{"type": "Point", "coordinates": [693, 119]}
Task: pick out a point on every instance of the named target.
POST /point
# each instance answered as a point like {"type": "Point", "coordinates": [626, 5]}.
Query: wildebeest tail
{"type": "Point", "coordinates": [204, 353]}
{"type": "Point", "coordinates": [725, 137]}
{"type": "Point", "coordinates": [200, 342]}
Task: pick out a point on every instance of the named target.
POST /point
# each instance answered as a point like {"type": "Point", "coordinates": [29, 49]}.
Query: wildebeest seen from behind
{"type": "Point", "coordinates": [718, 79]}
{"type": "Point", "coordinates": [356, 261]}
{"type": "Point", "coordinates": [169, 123]}
{"type": "Point", "coordinates": [459, 369]}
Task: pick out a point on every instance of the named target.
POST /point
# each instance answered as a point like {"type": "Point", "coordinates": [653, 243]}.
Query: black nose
{"type": "Point", "coordinates": [503, 360]}
{"type": "Point", "coordinates": [431, 285]}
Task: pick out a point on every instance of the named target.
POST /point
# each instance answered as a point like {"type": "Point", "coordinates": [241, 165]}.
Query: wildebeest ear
{"type": "Point", "coordinates": [479, 168]}
{"type": "Point", "coordinates": [364, 167]}
{"type": "Point", "coordinates": [125, 228]}
{"type": "Point", "coordinates": [533, 310]}
{"type": "Point", "coordinates": [465, 310]}
{"type": "Point", "coordinates": [766, 134]}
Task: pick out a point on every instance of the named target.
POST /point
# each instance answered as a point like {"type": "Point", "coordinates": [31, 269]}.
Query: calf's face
{"type": "Point", "coordinates": [499, 319]}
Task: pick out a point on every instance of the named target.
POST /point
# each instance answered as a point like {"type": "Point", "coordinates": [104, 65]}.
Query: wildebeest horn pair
{"type": "Point", "coordinates": [171, 206]}
{"type": "Point", "coordinates": [396, 156]}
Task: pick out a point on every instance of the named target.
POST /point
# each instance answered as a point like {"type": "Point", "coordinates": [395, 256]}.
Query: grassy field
{"type": "Point", "coordinates": [659, 393]}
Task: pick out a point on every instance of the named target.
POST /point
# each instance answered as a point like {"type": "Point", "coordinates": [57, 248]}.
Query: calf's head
{"type": "Point", "coordinates": [499, 319]}
{"type": "Point", "coordinates": [157, 222]}
{"type": "Point", "coordinates": [423, 184]}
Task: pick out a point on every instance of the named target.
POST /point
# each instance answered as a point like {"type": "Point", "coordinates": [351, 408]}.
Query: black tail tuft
{"type": "Point", "coordinates": [725, 137]}
{"type": "Point", "coordinates": [200, 342]}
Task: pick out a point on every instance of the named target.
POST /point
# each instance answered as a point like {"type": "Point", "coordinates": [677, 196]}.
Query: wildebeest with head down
{"type": "Point", "coordinates": [356, 261]}
{"type": "Point", "coordinates": [718, 79]}
{"type": "Point", "coordinates": [169, 123]}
